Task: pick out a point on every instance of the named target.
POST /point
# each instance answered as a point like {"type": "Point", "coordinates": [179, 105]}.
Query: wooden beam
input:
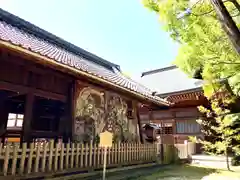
{"type": "Point", "coordinates": [31, 66]}
{"type": "Point", "coordinates": [24, 90]}
{"type": "Point", "coordinates": [44, 134]}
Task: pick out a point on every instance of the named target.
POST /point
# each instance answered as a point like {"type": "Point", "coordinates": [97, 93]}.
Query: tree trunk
{"type": "Point", "coordinates": [227, 160]}
{"type": "Point", "coordinates": [228, 24]}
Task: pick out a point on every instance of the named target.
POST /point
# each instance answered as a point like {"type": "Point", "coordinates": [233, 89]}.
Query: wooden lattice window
{"type": "Point", "coordinates": [168, 130]}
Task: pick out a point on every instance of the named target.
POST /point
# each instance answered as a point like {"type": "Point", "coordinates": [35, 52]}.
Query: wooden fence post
{"type": "Point", "coordinates": [94, 154]}
{"type": "Point", "coordinates": [50, 158]}
{"type": "Point", "coordinates": [119, 153]}
{"type": "Point", "coordinates": [67, 156]}
{"type": "Point", "coordinates": [36, 164]}
{"type": "Point", "coordinates": [15, 157]}
{"type": "Point", "coordinates": [6, 159]}
{"type": "Point", "coordinates": [77, 155]}
{"type": "Point", "coordinates": [81, 155]}
{"type": "Point", "coordinates": [56, 157]}
{"type": "Point", "coordinates": [30, 157]}
{"type": "Point", "coordinates": [23, 158]}
{"type": "Point", "coordinates": [90, 153]}
{"type": "Point", "coordinates": [62, 156]}
{"type": "Point", "coordinates": [98, 156]}
{"type": "Point", "coordinates": [45, 148]}
{"type": "Point", "coordinates": [86, 155]}
{"type": "Point", "coordinates": [72, 155]}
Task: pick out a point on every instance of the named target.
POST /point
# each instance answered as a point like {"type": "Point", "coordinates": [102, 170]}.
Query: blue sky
{"type": "Point", "coordinates": [121, 31]}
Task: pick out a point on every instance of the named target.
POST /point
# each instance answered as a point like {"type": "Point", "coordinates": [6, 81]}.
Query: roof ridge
{"type": "Point", "coordinates": [45, 35]}
{"type": "Point", "coordinates": [159, 70]}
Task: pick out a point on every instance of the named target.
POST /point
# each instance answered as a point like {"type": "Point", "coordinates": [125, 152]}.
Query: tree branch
{"type": "Point", "coordinates": [228, 24]}
{"type": "Point", "coordinates": [228, 62]}
{"type": "Point", "coordinates": [203, 13]}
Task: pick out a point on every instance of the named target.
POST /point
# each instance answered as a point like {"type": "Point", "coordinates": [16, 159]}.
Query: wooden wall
{"type": "Point", "coordinates": [173, 116]}
{"type": "Point", "coordinates": [32, 81]}
{"type": "Point", "coordinates": [23, 76]}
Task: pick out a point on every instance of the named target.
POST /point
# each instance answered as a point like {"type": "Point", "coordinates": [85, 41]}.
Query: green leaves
{"type": "Point", "coordinates": [203, 42]}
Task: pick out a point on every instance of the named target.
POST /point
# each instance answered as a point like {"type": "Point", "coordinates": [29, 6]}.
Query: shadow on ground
{"type": "Point", "coordinates": [174, 172]}
{"type": "Point", "coordinates": [183, 172]}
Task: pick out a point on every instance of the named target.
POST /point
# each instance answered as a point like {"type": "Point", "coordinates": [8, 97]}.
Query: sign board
{"type": "Point", "coordinates": [106, 139]}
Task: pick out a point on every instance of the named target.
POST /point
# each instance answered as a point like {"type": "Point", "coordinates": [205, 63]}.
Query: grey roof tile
{"type": "Point", "coordinates": [168, 80]}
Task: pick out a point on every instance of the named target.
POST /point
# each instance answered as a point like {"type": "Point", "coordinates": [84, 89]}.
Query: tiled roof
{"type": "Point", "coordinates": [169, 80]}
{"type": "Point", "coordinates": [20, 38]}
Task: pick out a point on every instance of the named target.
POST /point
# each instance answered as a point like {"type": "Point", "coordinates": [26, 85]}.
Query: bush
{"type": "Point", "coordinates": [236, 161]}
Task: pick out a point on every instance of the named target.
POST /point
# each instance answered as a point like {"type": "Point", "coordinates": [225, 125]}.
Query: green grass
{"type": "Point", "coordinates": [185, 172]}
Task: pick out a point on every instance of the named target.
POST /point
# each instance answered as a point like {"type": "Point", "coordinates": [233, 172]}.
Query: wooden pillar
{"type": "Point", "coordinates": [70, 108]}
{"type": "Point", "coordinates": [150, 115]}
{"type": "Point", "coordinates": [139, 123]}
{"type": "Point", "coordinates": [28, 115]}
{"type": "Point", "coordinates": [3, 116]}
{"type": "Point", "coordinates": [135, 120]}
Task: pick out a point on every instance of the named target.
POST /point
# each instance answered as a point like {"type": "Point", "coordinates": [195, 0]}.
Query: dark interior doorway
{"type": "Point", "coordinates": [47, 114]}
{"type": "Point", "coordinates": [46, 117]}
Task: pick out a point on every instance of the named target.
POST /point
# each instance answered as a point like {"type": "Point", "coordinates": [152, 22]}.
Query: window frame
{"type": "Point", "coordinates": [16, 119]}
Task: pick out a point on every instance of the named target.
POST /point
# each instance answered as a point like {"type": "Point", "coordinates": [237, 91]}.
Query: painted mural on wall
{"type": "Point", "coordinates": [89, 114]}
{"type": "Point", "coordinates": [96, 112]}
{"type": "Point", "coordinates": [117, 121]}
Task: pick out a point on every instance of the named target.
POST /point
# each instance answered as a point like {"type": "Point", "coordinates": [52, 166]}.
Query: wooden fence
{"type": "Point", "coordinates": [49, 157]}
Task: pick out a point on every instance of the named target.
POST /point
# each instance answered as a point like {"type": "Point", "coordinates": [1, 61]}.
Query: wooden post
{"type": "Point", "coordinates": [94, 154]}
{"type": "Point", "coordinates": [15, 157]}
{"type": "Point", "coordinates": [56, 157]}
{"type": "Point", "coordinates": [36, 164]}
{"type": "Point", "coordinates": [50, 157]}
{"type": "Point", "coordinates": [4, 117]}
{"type": "Point", "coordinates": [71, 108]}
{"type": "Point", "coordinates": [127, 155]}
{"type": "Point", "coordinates": [98, 156]}
{"type": "Point", "coordinates": [30, 157]}
{"type": "Point", "coordinates": [186, 146]}
{"type": "Point", "coordinates": [72, 155]}
{"type": "Point", "coordinates": [6, 160]}
{"type": "Point", "coordinates": [23, 158]}
{"type": "Point", "coordinates": [81, 155]}
{"type": "Point", "coordinates": [115, 154]}
{"type": "Point", "coordinates": [44, 157]}
{"type": "Point", "coordinates": [90, 153]}
{"type": "Point", "coordinates": [104, 163]}
{"type": "Point", "coordinates": [62, 156]}
{"type": "Point", "coordinates": [77, 155]}
{"type": "Point", "coordinates": [86, 155]}
{"type": "Point", "coordinates": [27, 117]}
{"type": "Point", "coordinates": [67, 156]}
{"type": "Point", "coordinates": [139, 124]}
